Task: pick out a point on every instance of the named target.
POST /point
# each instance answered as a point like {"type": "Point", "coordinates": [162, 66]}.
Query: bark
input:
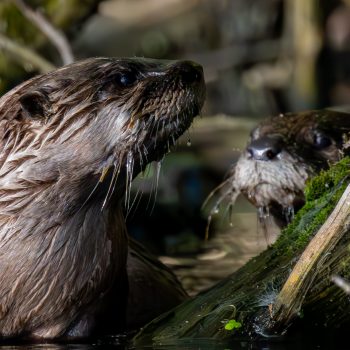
{"type": "Point", "coordinates": [289, 283]}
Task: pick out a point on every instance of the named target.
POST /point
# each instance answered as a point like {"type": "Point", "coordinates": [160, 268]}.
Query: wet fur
{"type": "Point", "coordinates": [71, 143]}
{"type": "Point", "coordinates": [276, 186]}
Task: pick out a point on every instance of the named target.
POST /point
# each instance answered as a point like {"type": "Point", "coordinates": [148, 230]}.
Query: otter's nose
{"type": "Point", "coordinates": [265, 148]}
{"type": "Point", "coordinates": [190, 72]}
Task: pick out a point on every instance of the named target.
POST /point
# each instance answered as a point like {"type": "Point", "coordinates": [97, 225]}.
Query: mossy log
{"type": "Point", "coordinates": [289, 283]}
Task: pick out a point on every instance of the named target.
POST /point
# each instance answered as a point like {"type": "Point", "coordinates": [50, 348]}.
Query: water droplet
{"type": "Point", "coordinates": [288, 213]}
{"type": "Point", "coordinates": [263, 212]}
{"type": "Point", "coordinates": [188, 143]}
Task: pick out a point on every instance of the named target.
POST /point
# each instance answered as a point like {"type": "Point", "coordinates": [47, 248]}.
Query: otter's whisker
{"type": "Point", "coordinates": [145, 152]}
{"type": "Point", "coordinates": [129, 177]}
{"type": "Point", "coordinates": [90, 194]}
{"type": "Point", "coordinates": [112, 183]}
{"type": "Point", "coordinates": [228, 212]}
{"type": "Point", "coordinates": [214, 191]}
{"type": "Point", "coordinates": [154, 190]}
{"type": "Point", "coordinates": [215, 210]}
{"type": "Point", "coordinates": [156, 184]}
{"type": "Point", "coordinates": [141, 156]}
{"type": "Point", "coordinates": [137, 199]}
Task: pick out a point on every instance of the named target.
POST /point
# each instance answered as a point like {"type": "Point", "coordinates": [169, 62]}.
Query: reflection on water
{"type": "Point", "coordinates": [113, 342]}
{"type": "Point", "coordinates": [311, 342]}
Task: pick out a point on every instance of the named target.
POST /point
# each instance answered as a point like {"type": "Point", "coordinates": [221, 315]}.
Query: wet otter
{"type": "Point", "coordinates": [283, 152]}
{"type": "Point", "coordinates": [71, 143]}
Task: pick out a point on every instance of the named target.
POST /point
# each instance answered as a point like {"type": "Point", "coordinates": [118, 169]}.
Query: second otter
{"type": "Point", "coordinates": [283, 152]}
{"type": "Point", "coordinates": [71, 143]}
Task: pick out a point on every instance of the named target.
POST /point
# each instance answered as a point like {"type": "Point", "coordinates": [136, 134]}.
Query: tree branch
{"type": "Point", "coordinates": [290, 298]}
{"type": "Point", "coordinates": [25, 55]}
{"type": "Point", "coordinates": [53, 34]}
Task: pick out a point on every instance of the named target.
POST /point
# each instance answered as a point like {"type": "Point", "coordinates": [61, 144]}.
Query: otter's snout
{"type": "Point", "coordinates": [265, 148]}
{"type": "Point", "coordinates": [189, 72]}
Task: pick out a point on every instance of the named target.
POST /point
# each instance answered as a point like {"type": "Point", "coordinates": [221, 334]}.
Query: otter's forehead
{"type": "Point", "coordinates": [94, 72]}
{"type": "Point", "coordinates": [292, 126]}
{"type": "Point", "coordinates": [287, 125]}
{"type": "Point", "coordinates": [98, 79]}
{"type": "Point", "coordinates": [100, 68]}
{"type": "Point", "coordinates": [134, 82]}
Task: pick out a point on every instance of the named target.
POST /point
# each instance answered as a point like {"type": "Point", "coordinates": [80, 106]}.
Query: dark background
{"type": "Point", "coordinates": [260, 58]}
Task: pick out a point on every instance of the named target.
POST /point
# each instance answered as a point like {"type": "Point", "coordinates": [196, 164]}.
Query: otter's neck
{"type": "Point", "coordinates": [56, 259]}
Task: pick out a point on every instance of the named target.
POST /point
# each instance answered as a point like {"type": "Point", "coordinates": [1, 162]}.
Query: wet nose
{"type": "Point", "coordinates": [265, 148]}
{"type": "Point", "coordinates": [190, 72]}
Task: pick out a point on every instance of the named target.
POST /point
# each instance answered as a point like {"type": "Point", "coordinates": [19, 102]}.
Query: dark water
{"type": "Point", "coordinates": [314, 342]}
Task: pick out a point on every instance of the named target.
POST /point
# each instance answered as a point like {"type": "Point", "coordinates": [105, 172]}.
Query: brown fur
{"type": "Point", "coordinates": [71, 142]}
{"type": "Point", "coordinates": [307, 142]}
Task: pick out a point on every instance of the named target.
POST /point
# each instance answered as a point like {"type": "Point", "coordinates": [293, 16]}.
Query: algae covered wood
{"type": "Point", "coordinates": [250, 301]}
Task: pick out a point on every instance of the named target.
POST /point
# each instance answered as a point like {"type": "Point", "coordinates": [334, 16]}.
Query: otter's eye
{"type": "Point", "coordinates": [125, 79]}
{"type": "Point", "coordinates": [320, 140]}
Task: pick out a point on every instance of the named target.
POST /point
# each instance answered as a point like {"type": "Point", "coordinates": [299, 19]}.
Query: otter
{"type": "Point", "coordinates": [283, 152]}
{"type": "Point", "coordinates": [71, 143]}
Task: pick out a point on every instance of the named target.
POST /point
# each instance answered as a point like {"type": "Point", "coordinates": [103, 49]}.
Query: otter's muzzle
{"type": "Point", "coordinates": [265, 148]}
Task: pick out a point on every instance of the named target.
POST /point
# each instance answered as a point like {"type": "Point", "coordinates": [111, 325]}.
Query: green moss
{"type": "Point", "coordinates": [322, 193]}
{"type": "Point", "coordinates": [326, 180]}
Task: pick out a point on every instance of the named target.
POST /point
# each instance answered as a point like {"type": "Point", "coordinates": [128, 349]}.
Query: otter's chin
{"type": "Point", "coordinates": [165, 139]}
{"type": "Point", "coordinates": [275, 200]}
{"type": "Point", "coordinates": [274, 186]}
{"type": "Point", "coordinates": [283, 213]}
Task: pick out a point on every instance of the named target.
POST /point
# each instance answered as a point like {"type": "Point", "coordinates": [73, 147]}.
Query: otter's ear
{"type": "Point", "coordinates": [35, 104]}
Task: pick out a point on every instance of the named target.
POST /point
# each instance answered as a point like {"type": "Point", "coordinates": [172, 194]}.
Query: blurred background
{"type": "Point", "coordinates": [260, 58]}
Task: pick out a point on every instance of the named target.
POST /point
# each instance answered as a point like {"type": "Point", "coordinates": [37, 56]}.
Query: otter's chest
{"type": "Point", "coordinates": [56, 275]}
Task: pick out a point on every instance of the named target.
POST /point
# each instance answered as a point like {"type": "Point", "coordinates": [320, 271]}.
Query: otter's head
{"type": "Point", "coordinates": [282, 153]}
{"type": "Point", "coordinates": [96, 121]}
